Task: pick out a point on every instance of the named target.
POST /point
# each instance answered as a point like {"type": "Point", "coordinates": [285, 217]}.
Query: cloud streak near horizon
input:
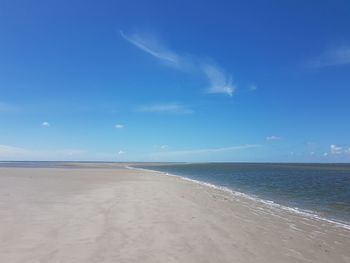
{"type": "Point", "coordinates": [204, 151]}
{"type": "Point", "coordinates": [10, 152]}
{"type": "Point", "coordinates": [15, 153]}
{"type": "Point", "coordinates": [219, 81]}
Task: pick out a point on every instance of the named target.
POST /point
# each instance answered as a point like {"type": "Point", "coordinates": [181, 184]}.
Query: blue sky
{"type": "Point", "coordinates": [175, 80]}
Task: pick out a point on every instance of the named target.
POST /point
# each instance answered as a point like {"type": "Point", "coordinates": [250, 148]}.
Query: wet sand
{"type": "Point", "coordinates": [107, 213]}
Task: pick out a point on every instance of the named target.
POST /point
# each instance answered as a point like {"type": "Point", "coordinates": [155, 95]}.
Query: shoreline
{"type": "Point", "coordinates": [270, 203]}
{"type": "Point", "coordinates": [122, 215]}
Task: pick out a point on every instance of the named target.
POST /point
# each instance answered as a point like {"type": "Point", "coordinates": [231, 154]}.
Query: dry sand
{"type": "Point", "coordinates": [111, 214]}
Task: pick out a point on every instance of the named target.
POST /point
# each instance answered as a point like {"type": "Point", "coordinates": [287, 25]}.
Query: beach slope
{"type": "Point", "coordinates": [108, 213]}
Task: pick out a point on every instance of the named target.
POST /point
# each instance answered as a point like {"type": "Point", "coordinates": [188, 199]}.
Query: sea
{"type": "Point", "coordinates": [321, 190]}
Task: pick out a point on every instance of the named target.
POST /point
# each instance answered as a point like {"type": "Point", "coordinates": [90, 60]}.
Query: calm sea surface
{"type": "Point", "coordinates": [323, 189]}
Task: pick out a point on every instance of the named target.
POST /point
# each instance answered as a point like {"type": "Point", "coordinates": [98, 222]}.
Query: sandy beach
{"type": "Point", "coordinates": [108, 213]}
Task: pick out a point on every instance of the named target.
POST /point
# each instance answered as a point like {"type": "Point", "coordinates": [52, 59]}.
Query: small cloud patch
{"type": "Point", "coordinates": [273, 138]}
{"type": "Point", "coordinates": [252, 87]}
{"type": "Point", "coordinates": [45, 124]}
{"type": "Point", "coordinates": [338, 150]}
{"type": "Point", "coordinates": [173, 108]}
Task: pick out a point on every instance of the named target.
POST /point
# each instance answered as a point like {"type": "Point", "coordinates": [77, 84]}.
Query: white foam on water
{"type": "Point", "coordinates": [306, 213]}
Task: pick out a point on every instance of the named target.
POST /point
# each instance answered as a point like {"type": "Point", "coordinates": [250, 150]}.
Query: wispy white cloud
{"type": "Point", "coordinates": [121, 152]}
{"type": "Point", "coordinates": [332, 57]}
{"type": "Point", "coordinates": [119, 126]}
{"type": "Point", "coordinates": [153, 46]}
{"type": "Point", "coordinates": [219, 81]}
{"type": "Point", "coordinates": [164, 146]}
{"type": "Point", "coordinates": [173, 108]}
{"type": "Point", "coordinates": [45, 124]}
{"type": "Point", "coordinates": [273, 138]}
